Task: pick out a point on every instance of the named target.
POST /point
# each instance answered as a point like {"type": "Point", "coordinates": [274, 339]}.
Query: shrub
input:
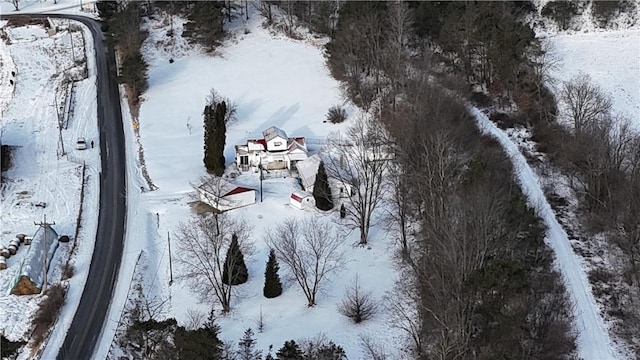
{"type": "Point", "coordinates": [67, 271]}
{"type": "Point", "coordinates": [562, 12]}
{"type": "Point", "coordinates": [48, 311]}
{"type": "Point", "coordinates": [9, 348]}
{"type": "Point", "coordinates": [358, 305]}
{"type": "Point", "coordinates": [290, 351]}
{"type": "Point", "coordinates": [336, 115]}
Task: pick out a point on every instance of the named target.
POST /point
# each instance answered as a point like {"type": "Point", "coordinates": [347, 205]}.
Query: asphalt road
{"type": "Point", "coordinates": [84, 333]}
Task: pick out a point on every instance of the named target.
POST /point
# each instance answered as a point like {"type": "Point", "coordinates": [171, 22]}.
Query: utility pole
{"type": "Point", "coordinates": [170, 266]}
{"type": "Point", "coordinates": [45, 253]}
{"type": "Point", "coordinates": [73, 55]}
{"type": "Point", "coordinates": [55, 104]}
{"type": "Point", "coordinates": [261, 177]}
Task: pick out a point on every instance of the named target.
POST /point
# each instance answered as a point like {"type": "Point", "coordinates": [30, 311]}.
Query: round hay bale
{"type": "Point", "coordinates": [21, 237]}
{"type": "Point", "coordinates": [27, 240]}
{"type": "Point", "coordinates": [64, 239]}
{"type": "Point", "coordinates": [5, 253]}
{"type": "Point", "coordinates": [12, 249]}
{"type": "Point", "coordinates": [15, 242]}
{"type": "Point", "coordinates": [3, 263]}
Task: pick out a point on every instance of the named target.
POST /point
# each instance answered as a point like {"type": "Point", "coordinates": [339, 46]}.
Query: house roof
{"type": "Point", "coordinates": [238, 190]}
{"type": "Point", "coordinates": [223, 187]}
{"type": "Point", "coordinates": [274, 132]}
{"type": "Point", "coordinates": [297, 143]}
{"type": "Point", "coordinates": [307, 170]}
{"type": "Point", "coordinates": [299, 195]}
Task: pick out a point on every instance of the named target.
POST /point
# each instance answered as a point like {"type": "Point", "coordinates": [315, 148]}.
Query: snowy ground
{"type": "Point", "coordinates": [593, 340]}
{"type": "Point", "coordinates": [81, 7]}
{"type": "Point", "coordinates": [611, 59]}
{"type": "Point", "coordinates": [40, 172]}
{"type": "Point", "coordinates": [274, 81]}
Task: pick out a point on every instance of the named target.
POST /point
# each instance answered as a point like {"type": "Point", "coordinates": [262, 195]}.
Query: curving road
{"type": "Point", "coordinates": [88, 321]}
{"type": "Point", "coordinates": [85, 330]}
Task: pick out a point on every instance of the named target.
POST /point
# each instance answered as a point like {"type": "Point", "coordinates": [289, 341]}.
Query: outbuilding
{"type": "Point", "coordinates": [224, 196]}
{"type": "Point", "coordinates": [301, 200]}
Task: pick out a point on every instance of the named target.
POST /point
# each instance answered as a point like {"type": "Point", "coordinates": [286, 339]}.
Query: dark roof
{"type": "Point", "coordinates": [238, 190]}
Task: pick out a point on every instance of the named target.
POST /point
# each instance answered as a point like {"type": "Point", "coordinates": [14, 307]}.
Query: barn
{"type": "Point", "coordinates": [224, 196]}
{"type": "Point", "coordinates": [301, 200]}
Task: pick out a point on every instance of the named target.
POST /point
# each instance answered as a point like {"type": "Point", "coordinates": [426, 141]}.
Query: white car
{"type": "Point", "coordinates": [81, 144]}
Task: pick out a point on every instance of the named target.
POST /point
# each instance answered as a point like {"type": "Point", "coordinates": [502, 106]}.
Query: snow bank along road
{"type": "Point", "coordinates": [593, 338]}
{"type": "Point", "coordinates": [87, 323]}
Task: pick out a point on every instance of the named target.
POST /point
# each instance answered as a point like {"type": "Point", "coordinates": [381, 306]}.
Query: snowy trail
{"type": "Point", "coordinates": [593, 340]}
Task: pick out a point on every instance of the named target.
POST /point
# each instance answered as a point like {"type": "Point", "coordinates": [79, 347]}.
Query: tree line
{"type": "Point", "coordinates": [477, 272]}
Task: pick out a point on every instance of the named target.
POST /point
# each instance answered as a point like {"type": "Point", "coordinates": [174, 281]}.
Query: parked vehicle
{"type": "Point", "coordinates": [81, 144]}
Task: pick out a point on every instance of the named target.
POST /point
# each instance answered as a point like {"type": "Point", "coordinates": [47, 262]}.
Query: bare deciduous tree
{"type": "Point", "coordinates": [359, 160]}
{"type": "Point", "coordinates": [371, 350]}
{"type": "Point", "coordinates": [215, 98]}
{"type": "Point", "coordinates": [585, 101]}
{"type": "Point", "coordinates": [397, 42]}
{"type": "Point", "coordinates": [211, 188]}
{"type": "Point", "coordinates": [310, 250]}
{"type": "Point", "coordinates": [544, 62]}
{"type": "Point", "coordinates": [202, 243]}
{"type": "Point", "coordinates": [195, 319]}
{"type": "Point", "coordinates": [264, 8]}
{"type": "Point", "coordinates": [358, 304]}
{"type": "Point", "coordinates": [397, 213]}
{"type": "Point", "coordinates": [16, 4]}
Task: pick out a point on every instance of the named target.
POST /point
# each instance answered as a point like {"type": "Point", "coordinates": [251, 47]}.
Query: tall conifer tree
{"type": "Point", "coordinates": [321, 190]}
{"type": "Point", "coordinates": [235, 271]}
{"type": "Point", "coordinates": [272, 284]}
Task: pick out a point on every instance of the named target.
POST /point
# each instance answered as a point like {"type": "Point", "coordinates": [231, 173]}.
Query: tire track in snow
{"type": "Point", "coordinates": [593, 342]}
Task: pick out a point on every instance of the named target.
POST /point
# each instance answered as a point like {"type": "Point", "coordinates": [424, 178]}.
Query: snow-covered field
{"type": "Point", "coordinates": [611, 59]}
{"type": "Point", "coordinates": [40, 173]}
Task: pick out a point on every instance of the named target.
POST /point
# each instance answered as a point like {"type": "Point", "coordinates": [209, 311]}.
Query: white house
{"type": "Point", "coordinates": [224, 196]}
{"type": "Point", "coordinates": [274, 151]}
{"type": "Point", "coordinates": [307, 171]}
{"type": "Point", "coordinates": [301, 200]}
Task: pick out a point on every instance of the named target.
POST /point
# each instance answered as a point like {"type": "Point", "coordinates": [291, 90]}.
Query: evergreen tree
{"type": "Point", "coordinates": [246, 347]}
{"type": "Point", "coordinates": [220, 134]}
{"type": "Point", "coordinates": [209, 140]}
{"type": "Point", "coordinates": [272, 284]}
{"type": "Point", "coordinates": [269, 356]}
{"type": "Point", "coordinates": [321, 190]}
{"type": "Point", "coordinates": [328, 351]}
{"type": "Point", "coordinates": [235, 271]}
{"type": "Point", "coordinates": [133, 72]}
{"type": "Point", "coordinates": [197, 344]}
{"type": "Point", "coordinates": [215, 134]}
{"type": "Point", "coordinates": [205, 23]}
{"type": "Point", "coordinates": [290, 351]}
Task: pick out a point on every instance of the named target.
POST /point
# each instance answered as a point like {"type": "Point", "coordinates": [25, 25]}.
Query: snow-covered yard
{"type": "Point", "coordinates": [275, 81]}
